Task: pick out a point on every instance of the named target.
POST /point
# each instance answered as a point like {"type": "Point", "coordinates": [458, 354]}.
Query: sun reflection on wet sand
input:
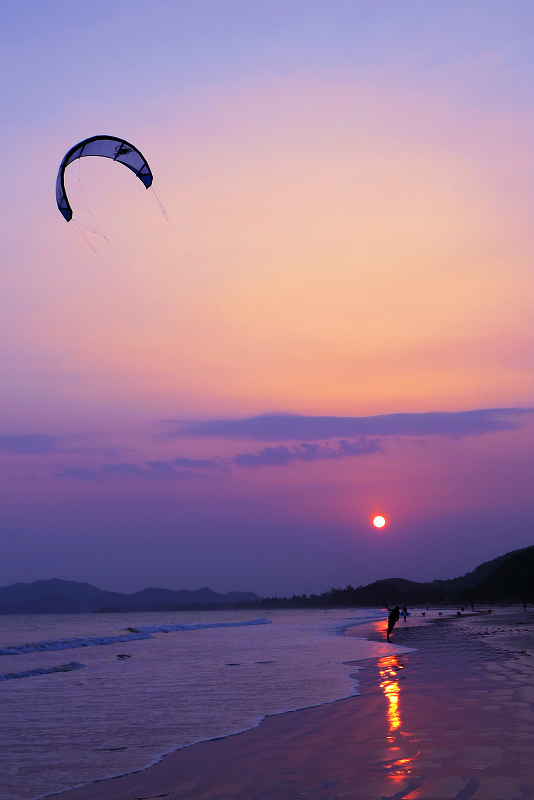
{"type": "Point", "coordinates": [399, 761]}
{"type": "Point", "coordinates": [388, 668]}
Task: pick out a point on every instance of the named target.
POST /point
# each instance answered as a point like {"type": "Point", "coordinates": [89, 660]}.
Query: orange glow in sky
{"type": "Point", "coordinates": [339, 293]}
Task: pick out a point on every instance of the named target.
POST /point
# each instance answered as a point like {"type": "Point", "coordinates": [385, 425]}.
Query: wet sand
{"type": "Point", "coordinates": [454, 719]}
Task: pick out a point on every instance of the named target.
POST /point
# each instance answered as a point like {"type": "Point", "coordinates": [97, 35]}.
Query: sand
{"type": "Point", "coordinates": [454, 719]}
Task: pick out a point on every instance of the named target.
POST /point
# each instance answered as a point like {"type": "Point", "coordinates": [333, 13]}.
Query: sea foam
{"type": "Point", "coordinates": [198, 626]}
{"type": "Point", "coordinates": [69, 644]}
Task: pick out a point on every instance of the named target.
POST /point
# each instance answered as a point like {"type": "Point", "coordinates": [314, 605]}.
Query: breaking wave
{"type": "Point", "coordinates": [69, 644]}
{"type": "Point", "coordinates": [197, 626]}
{"type": "Point", "coordinates": [29, 673]}
{"type": "Point", "coordinates": [134, 634]}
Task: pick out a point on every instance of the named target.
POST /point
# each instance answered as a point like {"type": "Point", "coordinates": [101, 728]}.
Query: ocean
{"type": "Point", "coordinates": [89, 696]}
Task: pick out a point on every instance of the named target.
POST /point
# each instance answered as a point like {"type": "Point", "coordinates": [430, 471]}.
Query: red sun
{"type": "Point", "coordinates": [379, 521]}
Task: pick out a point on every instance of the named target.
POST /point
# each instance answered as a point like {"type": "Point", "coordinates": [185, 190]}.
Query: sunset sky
{"type": "Point", "coordinates": [334, 317]}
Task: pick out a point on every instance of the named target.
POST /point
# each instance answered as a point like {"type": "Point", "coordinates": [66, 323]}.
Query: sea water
{"type": "Point", "coordinates": [89, 696]}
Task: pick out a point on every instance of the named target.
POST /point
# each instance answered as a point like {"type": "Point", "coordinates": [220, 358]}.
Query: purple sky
{"type": "Point", "coordinates": [334, 321]}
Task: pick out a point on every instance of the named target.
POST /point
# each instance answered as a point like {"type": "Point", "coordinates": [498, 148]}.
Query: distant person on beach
{"type": "Point", "coordinates": [394, 614]}
{"type": "Point", "coordinates": [404, 612]}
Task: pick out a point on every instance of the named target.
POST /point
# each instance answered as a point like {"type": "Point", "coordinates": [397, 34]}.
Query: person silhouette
{"type": "Point", "coordinates": [394, 614]}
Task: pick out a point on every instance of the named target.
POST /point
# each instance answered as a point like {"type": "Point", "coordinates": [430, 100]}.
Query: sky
{"type": "Point", "coordinates": [322, 309]}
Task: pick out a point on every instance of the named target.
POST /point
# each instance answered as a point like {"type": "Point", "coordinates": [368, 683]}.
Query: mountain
{"type": "Point", "coordinates": [57, 596]}
{"type": "Point", "coordinates": [507, 578]}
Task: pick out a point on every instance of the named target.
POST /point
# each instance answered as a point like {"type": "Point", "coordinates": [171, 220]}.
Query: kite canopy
{"type": "Point", "coordinates": [108, 147]}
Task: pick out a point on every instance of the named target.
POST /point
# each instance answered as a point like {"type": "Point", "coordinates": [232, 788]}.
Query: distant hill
{"type": "Point", "coordinates": [56, 596]}
{"type": "Point", "coordinates": [513, 578]}
{"type": "Point", "coordinates": [507, 578]}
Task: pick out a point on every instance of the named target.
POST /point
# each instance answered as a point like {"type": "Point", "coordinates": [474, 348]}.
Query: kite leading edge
{"type": "Point", "coordinates": [107, 147]}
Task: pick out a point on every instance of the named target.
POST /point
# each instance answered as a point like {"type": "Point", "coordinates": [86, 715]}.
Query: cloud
{"type": "Point", "coordinates": [281, 456]}
{"type": "Point", "coordinates": [44, 444]}
{"type": "Point", "coordinates": [100, 473]}
{"type": "Point", "coordinates": [80, 473]}
{"type": "Point", "coordinates": [371, 435]}
{"type": "Point", "coordinates": [178, 468]}
{"type": "Point", "coordinates": [29, 443]}
{"type": "Point", "coordinates": [287, 427]}
{"type": "Point", "coordinates": [197, 463]}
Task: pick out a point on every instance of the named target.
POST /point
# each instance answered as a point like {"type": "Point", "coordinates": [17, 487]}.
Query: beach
{"type": "Point", "coordinates": [453, 718]}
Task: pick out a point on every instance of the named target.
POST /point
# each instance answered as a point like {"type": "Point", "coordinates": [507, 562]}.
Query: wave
{"type": "Point", "coordinates": [134, 634]}
{"type": "Point", "coordinates": [343, 624]}
{"type": "Point", "coordinates": [8, 676]}
{"type": "Point", "coordinates": [197, 626]}
{"type": "Point", "coordinates": [69, 644]}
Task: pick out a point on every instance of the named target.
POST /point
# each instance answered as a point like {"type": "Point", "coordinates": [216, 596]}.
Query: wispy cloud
{"type": "Point", "coordinates": [197, 463]}
{"type": "Point", "coordinates": [47, 444]}
{"type": "Point", "coordinates": [288, 427]}
{"type": "Point", "coordinates": [281, 456]}
{"type": "Point", "coordinates": [30, 443]}
{"type": "Point", "coordinates": [368, 436]}
{"type": "Point", "coordinates": [176, 469]}
{"type": "Point", "coordinates": [180, 468]}
{"type": "Point", "coordinates": [123, 470]}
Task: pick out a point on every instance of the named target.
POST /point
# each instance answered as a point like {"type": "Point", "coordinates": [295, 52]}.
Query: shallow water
{"type": "Point", "coordinates": [139, 698]}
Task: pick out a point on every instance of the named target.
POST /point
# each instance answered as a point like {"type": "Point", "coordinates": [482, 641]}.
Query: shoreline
{"type": "Point", "coordinates": [454, 719]}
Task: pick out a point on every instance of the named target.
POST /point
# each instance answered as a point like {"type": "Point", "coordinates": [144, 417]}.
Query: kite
{"type": "Point", "coordinates": [107, 147]}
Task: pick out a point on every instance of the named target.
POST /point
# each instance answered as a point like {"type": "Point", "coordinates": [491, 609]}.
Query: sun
{"type": "Point", "coordinates": [379, 521]}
